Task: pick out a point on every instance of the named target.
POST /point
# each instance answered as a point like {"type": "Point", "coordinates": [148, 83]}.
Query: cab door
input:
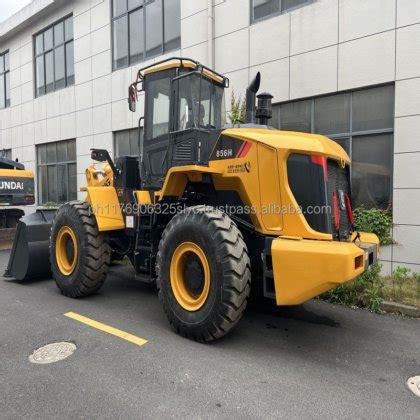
{"type": "Point", "coordinates": [185, 133]}
{"type": "Point", "coordinates": [154, 156]}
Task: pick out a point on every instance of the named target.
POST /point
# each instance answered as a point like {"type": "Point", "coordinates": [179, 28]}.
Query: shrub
{"type": "Point", "coordinates": [364, 291]}
{"type": "Point", "coordinates": [403, 287]}
{"type": "Point", "coordinates": [238, 109]}
{"type": "Point", "coordinates": [51, 205]}
{"type": "Point", "coordinates": [375, 221]}
{"type": "Point", "coordinates": [401, 275]}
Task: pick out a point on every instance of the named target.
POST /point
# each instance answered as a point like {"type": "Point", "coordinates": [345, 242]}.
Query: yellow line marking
{"type": "Point", "coordinates": [106, 328]}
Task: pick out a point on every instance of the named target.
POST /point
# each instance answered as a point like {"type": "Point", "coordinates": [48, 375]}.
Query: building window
{"type": "Point", "coordinates": [4, 80]}
{"type": "Point", "coordinates": [54, 57]}
{"type": "Point", "coordinates": [362, 122]}
{"type": "Point", "coordinates": [126, 143]}
{"type": "Point", "coordinates": [57, 179]}
{"type": "Point", "coordinates": [142, 29]}
{"type": "Point", "coordinates": [6, 153]}
{"type": "Point", "coordinates": [262, 9]}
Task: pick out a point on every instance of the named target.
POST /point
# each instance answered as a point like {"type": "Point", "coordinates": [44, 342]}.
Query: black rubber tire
{"type": "Point", "coordinates": [94, 251]}
{"type": "Point", "coordinates": [230, 275]}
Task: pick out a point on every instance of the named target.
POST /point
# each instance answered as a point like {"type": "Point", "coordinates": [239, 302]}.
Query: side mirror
{"type": "Point", "coordinates": [132, 98]}
{"type": "Point", "coordinates": [102, 155]}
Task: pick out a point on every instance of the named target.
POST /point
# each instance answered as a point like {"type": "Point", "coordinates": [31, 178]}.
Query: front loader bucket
{"type": "Point", "coordinates": [30, 252]}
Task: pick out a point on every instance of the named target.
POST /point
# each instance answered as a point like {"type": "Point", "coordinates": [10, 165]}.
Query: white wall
{"type": "Point", "coordinates": [328, 46]}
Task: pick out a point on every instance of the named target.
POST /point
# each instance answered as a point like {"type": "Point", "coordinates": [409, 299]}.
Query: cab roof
{"type": "Point", "coordinates": [6, 163]}
{"type": "Point", "coordinates": [178, 62]}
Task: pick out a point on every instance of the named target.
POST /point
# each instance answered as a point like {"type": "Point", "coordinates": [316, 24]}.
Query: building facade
{"type": "Point", "coordinates": [349, 69]}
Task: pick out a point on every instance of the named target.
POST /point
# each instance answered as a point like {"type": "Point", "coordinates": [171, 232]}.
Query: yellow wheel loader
{"type": "Point", "coordinates": [207, 206]}
{"type": "Point", "coordinates": [16, 189]}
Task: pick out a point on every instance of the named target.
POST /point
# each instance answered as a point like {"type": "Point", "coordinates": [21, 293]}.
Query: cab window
{"type": "Point", "coordinates": [188, 102]}
{"type": "Point", "coordinates": [212, 110]}
{"type": "Point", "coordinates": [206, 111]}
{"type": "Point", "coordinates": [158, 104]}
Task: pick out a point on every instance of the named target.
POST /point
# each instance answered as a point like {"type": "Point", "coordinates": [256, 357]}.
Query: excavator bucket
{"type": "Point", "coordinates": [30, 252]}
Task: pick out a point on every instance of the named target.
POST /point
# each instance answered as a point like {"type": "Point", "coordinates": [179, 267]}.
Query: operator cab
{"type": "Point", "coordinates": [184, 115]}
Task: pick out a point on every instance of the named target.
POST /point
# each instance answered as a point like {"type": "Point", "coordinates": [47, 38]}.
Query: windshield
{"type": "Point", "coordinates": [205, 111]}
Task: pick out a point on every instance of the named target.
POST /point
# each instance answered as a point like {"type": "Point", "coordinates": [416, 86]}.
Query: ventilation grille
{"type": "Point", "coordinates": [183, 151]}
{"type": "Point", "coordinates": [338, 179]}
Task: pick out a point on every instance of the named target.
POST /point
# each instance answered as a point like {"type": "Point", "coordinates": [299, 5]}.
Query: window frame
{"type": "Point", "coordinates": [351, 134]}
{"type": "Point", "coordinates": [6, 153]}
{"type": "Point", "coordinates": [67, 163]}
{"type": "Point", "coordinates": [128, 131]}
{"type": "Point", "coordinates": [345, 135]}
{"type": "Point", "coordinates": [52, 49]}
{"type": "Point", "coordinates": [3, 76]}
{"type": "Point", "coordinates": [280, 12]}
{"type": "Point", "coordinates": [127, 14]}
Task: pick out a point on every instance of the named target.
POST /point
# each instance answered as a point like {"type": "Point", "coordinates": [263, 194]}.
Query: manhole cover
{"type": "Point", "coordinates": [414, 385]}
{"type": "Point", "coordinates": [53, 352]}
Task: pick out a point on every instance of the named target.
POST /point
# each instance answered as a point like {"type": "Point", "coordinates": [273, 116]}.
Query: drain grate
{"type": "Point", "coordinates": [53, 352]}
{"type": "Point", "coordinates": [414, 385]}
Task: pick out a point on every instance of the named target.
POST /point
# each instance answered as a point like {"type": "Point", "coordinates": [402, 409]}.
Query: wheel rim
{"type": "Point", "coordinates": [190, 276]}
{"type": "Point", "coordinates": [66, 250]}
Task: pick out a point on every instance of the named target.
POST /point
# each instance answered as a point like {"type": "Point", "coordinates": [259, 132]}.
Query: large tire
{"type": "Point", "coordinates": [206, 237]}
{"type": "Point", "coordinates": [79, 253]}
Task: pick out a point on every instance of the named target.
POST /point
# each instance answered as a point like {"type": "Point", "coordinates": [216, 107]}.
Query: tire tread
{"type": "Point", "coordinates": [96, 254]}
{"type": "Point", "coordinates": [234, 258]}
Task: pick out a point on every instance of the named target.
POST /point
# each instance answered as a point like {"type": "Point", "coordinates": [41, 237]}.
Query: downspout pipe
{"type": "Point", "coordinates": [210, 33]}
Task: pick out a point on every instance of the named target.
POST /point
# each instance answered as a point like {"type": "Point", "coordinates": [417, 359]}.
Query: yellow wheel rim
{"type": "Point", "coordinates": [66, 250]}
{"type": "Point", "coordinates": [190, 276]}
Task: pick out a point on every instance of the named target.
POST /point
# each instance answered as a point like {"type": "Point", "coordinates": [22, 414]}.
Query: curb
{"type": "Point", "coordinates": [406, 310]}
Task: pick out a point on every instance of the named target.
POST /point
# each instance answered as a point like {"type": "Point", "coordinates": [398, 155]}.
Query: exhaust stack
{"type": "Point", "coordinates": [251, 93]}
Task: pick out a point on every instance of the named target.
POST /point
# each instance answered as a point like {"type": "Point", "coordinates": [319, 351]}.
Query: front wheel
{"type": "Point", "coordinates": [203, 273]}
{"type": "Point", "coordinates": [79, 253]}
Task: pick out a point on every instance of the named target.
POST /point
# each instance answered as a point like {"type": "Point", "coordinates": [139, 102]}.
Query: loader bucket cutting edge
{"type": "Point", "coordinates": [29, 258]}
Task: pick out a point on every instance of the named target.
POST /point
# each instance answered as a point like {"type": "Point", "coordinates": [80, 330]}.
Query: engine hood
{"type": "Point", "coordinates": [293, 141]}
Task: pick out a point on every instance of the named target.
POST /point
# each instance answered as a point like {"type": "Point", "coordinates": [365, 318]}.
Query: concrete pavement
{"type": "Point", "coordinates": [313, 361]}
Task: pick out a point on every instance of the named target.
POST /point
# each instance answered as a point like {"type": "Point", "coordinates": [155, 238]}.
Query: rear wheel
{"type": "Point", "coordinates": [79, 253]}
{"type": "Point", "coordinates": [203, 273]}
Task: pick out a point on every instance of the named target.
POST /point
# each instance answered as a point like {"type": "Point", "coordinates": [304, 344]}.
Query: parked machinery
{"type": "Point", "coordinates": [206, 206]}
{"type": "Point", "coordinates": [16, 189]}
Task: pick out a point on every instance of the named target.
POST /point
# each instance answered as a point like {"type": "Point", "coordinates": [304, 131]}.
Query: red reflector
{"type": "Point", "coordinates": [349, 209]}
{"type": "Point", "coordinates": [322, 161]}
{"type": "Point", "coordinates": [30, 199]}
{"type": "Point", "coordinates": [336, 212]}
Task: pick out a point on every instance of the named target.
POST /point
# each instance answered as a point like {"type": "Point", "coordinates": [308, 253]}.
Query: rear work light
{"type": "Point", "coordinates": [336, 212]}
{"type": "Point", "coordinates": [349, 209]}
{"type": "Point", "coordinates": [30, 199]}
